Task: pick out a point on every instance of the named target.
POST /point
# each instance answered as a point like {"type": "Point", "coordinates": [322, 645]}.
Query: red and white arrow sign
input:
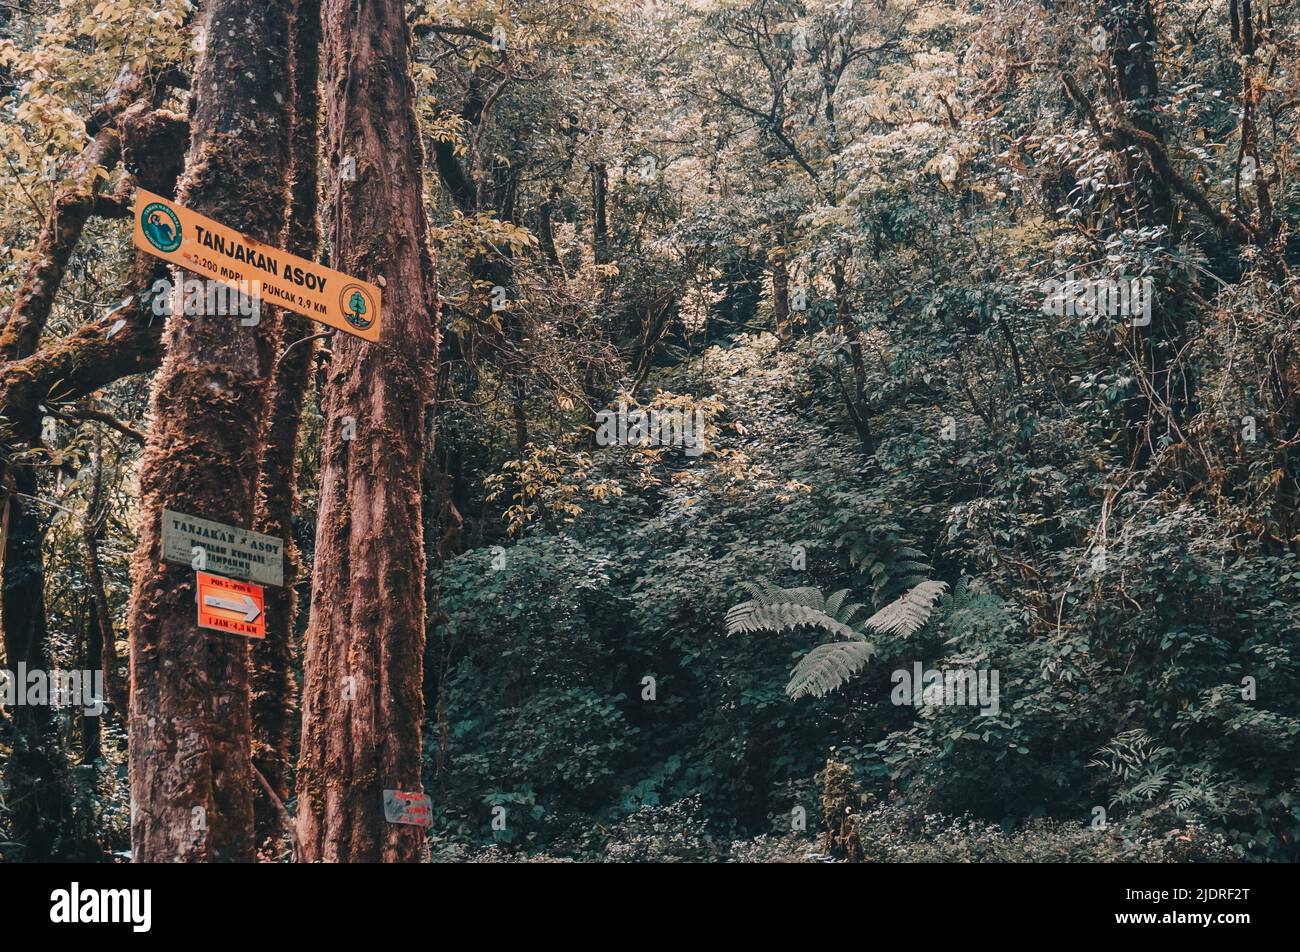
{"type": "Point", "coordinates": [232, 603]}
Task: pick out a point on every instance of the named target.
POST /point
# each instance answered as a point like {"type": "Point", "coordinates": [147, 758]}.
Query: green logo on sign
{"type": "Point", "coordinates": [357, 306]}
{"type": "Point", "coordinates": [161, 226]}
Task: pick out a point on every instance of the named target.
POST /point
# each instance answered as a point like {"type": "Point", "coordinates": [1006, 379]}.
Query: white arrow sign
{"type": "Point", "coordinates": [241, 604]}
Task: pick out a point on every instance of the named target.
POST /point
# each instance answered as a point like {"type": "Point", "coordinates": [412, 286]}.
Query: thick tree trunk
{"type": "Point", "coordinates": [273, 694]}
{"type": "Point", "coordinates": [362, 702]}
{"type": "Point", "coordinates": [190, 728]}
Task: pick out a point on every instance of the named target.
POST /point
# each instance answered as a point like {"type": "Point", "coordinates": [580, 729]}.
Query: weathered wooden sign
{"type": "Point", "coordinates": [226, 550]}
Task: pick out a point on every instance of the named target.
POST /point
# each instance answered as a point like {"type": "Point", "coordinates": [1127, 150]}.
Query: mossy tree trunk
{"type": "Point", "coordinates": [362, 700]}
{"type": "Point", "coordinates": [190, 726]}
{"type": "Point", "coordinates": [273, 688]}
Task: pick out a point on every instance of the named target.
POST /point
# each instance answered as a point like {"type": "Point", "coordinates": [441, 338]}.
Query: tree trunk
{"type": "Point", "coordinates": [1134, 59]}
{"type": "Point", "coordinates": [40, 797]}
{"type": "Point", "coordinates": [39, 794]}
{"type": "Point", "coordinates": [71, 368]}
{"type": "Point", "coordinates": [780, 290]}
{"type": "Point", "coordinates": [599, 215]}
{"type": "Point", "coordinates": [273, 694]}
{"type": "Point", "coordinates": [91, 725]}
{"type": "Point", "coordinates": [190, 730]}
{"type": "Point", "coordinates": [362, 702]}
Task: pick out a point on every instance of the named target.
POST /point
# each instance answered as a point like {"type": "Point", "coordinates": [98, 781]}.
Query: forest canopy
{"type": "Point", "coordinates": [728, 430]}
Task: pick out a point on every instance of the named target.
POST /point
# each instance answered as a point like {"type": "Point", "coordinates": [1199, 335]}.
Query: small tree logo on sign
{"type": "Point", "coordinates": [357, 306]}
{"type": "Point", "coordinates": [161, 226]}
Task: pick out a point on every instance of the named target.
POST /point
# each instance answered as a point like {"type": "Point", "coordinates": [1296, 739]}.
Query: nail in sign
{"type": "Point", "coordinates": [231, 606]}
{"type": "Point", "coordinates": [207, 247]}
{"type": "Point", "coordinates": [414, 809]}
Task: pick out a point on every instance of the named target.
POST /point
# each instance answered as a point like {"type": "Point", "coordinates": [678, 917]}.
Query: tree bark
{"type": "Point", "coordinates": [780, 289]}
{"type": "Point", "coordinates": [40, 794]}
{"type": "Point", "coordinates": [273, 688]}
{"type": "Point", "coordinates": [190, 727]}
{"type": "Point", "coordinates": [101, 612]}
{"type": "Point", "coordinates": [1134, 61]}
{"type": "Point", "coordinates": [362, 701]}
{"type": "Point", "coordinates": [599, 213]}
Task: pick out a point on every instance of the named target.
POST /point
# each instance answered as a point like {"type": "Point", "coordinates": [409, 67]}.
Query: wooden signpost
{"type": "Point", "coordinates": [227, 550]}
{"type": "Point", "coordinates": [207, 247]}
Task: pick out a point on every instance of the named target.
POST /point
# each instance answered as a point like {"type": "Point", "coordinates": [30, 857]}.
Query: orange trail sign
{"type": "Point", "coordinates": [227, 605]}
{"type": "Point", "coordinates": [206, 247]}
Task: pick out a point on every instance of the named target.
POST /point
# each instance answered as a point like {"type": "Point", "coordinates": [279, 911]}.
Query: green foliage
{"type": "Point", "coordinates": [828, 226]}
{"type": "Point", "coordinates": [827, 667]}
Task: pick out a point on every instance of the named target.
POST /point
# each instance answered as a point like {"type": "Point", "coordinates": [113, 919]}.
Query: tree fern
{"type": "Point", "coordinates": [908, 614]}
{"type": "Point", "coordinates": [968, 609]}
{"type": "Point", "coordinates": [827, 667]}
{"type": "Point", "coordinates": [750, 616]}
{"type": "Point", "coordinates": [777, 609]}
{"type": "Point", "coordinates": [889, 562]}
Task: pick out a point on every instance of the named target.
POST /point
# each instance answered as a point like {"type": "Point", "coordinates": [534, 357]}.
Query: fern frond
{"type": "Point", "coordinates": [909, 613]}
{"type": "Point", "coordinates": [751, 616]}
{"type": "Point", "coordinates": [769, 593]}
{"type": "Point", "coordinates": [842, 610]}
{"type": "Point", "coordinates": [968, 609]}
{"type": "Point", "coordinates": [806, 595]}
{"type": "Point", "coordinates": [849, 613]}
{"type": "Point", "coordinates": [827, 667]}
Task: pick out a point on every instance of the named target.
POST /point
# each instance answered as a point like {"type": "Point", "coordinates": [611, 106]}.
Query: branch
{"type": "Point", "coordinates": [1163, 166]}
{"type": "Point", "coordinates": [71, 208]}
{"type": "Point", "coordinates": [774, 127]}
{"type": "Point", "coordinates": [281, 811]}
{"type": "Point", "coordinates": [107, 206]}
{"type": "Point", "coordinates": [1230, 227]}
{"type": "Point", "coordinates": [99, 416]}
{"type": "Point", "coordinates": [446, 29]}
{"type": "Point", "coordinates": [94, 356]}
{"type": "Point", "coordinates": [127, 340]}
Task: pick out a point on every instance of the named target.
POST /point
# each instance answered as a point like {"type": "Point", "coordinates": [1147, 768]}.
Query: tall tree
{"type": "Point", "coordinates": [362, 700]}
{"type": "Point", "coordinates": [273, 696]}
{"type": "Point", "coordinates": [190, 730]}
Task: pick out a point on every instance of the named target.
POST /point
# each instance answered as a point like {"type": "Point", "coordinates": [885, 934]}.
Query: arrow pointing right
{"type": "Point", "coordinates": [241, 604]}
